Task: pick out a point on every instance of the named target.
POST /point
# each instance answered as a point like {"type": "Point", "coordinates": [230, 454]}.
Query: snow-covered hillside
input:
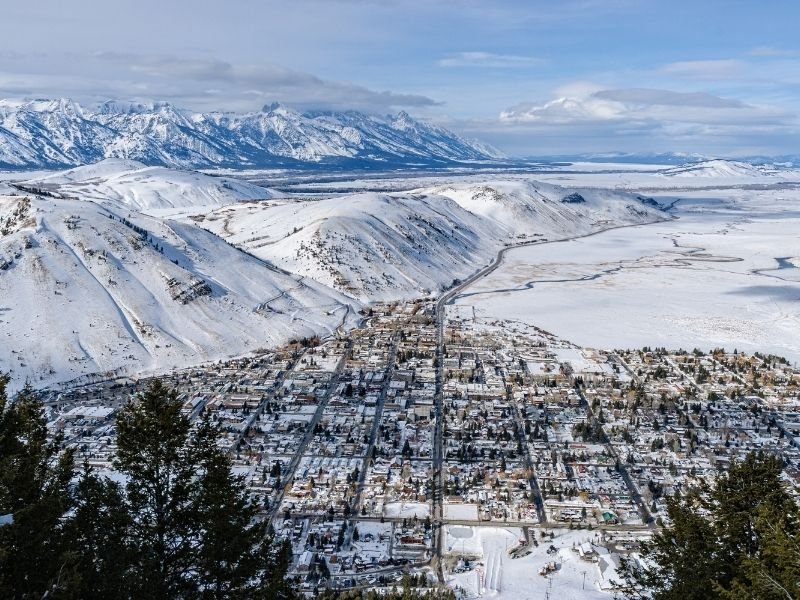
{"type": "Point", "coordinates": [388, 246]}
{"type": "Point", "coordinates": [526, 209]}
{"type": "Point", "coordinates": [370, 246]}
{"type": "Point", "coordinates": [87, 288]}
{"type": "Point", "coordinates": [61, 133]}
{"type": "Point", "coordinates": [90, 284]}
{"type": "Point", "coordinates": [718, 168]}
{"type": "Point", "coordinates": [131, 184]}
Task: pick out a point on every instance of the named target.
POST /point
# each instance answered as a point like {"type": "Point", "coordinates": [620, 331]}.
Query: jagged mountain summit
{"type": "Point", "coordinates": [61, 133]}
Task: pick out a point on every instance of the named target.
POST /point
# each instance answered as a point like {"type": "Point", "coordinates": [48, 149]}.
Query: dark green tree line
{"type": "Point", "coordinates": [34, 493]}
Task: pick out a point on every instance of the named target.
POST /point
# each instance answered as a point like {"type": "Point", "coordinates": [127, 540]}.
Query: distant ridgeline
{"type": "Point", "coordinates": [61, 133]}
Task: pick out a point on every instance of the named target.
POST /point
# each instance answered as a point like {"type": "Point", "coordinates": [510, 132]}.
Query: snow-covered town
{"type": "Point", "coordinates": [400, 300]}
{"type": "Point", "coordinates": [486, 455]}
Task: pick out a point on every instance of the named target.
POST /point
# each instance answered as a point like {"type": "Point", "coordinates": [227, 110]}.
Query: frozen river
{"type": "Point", "coordinates": [725, 273]}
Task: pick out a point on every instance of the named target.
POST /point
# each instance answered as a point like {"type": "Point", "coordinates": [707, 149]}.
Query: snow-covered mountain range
{"type": "Point", "coordinates": [61, 133]}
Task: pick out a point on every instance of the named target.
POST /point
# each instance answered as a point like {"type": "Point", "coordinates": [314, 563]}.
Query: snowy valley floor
{"type": "Point", "coordinates": [725, 273]}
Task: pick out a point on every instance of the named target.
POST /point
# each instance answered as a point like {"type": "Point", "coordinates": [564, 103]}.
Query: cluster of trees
{"type": "Point", "coordinates": [736, 539]}
{"type": "Point", "coordinates": [589, 431]}
{"type": "Point", "coordinates": [180, 525]}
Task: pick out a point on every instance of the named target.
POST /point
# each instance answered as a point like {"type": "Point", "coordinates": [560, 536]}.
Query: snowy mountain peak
{"type": "Point", "coordinates": [62, 105]}
{"type": "Point", "coordinates": [403, 121]}
{"type": "Point", "coordinates": [111, 107]}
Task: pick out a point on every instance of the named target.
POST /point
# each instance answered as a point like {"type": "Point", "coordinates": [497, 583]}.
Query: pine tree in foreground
{"type": "Point", "coordinates": [736, 539]}
{"type": "Point", "coordinates": [98, 540]}
{"type": "Point", "coordinates": [34, 496]}
{"type": "Point", "coordinates": [181, 526]}
{"type": "Point", "coordinates": [194, 531]}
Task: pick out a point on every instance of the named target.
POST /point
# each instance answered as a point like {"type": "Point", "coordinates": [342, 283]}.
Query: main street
{"type": "Point", "coordinates": [438, 437]}
{"type": "Point", "coordinates": [373, 435]}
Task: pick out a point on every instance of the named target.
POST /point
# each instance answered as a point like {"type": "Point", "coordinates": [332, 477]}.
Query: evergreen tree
{"type": "Point", "coordinates": [276, 584]}
{"type": "Point", "coordinates": [774, 573]}
{"type": "Point", "coordinates": [194, 531]}
{"type": "Point", "coordinates": [161, 492]}
{"type": "Point", "coordinates": [235, 553]}
{"type": "Point", "coordinates": [181, 527]}
{"type": "Point", "coordinates": [34, 495]}
{"type": "Point", "coordinates": [738, 538]}
{"type": "Point", "coordinates": [98, 539]}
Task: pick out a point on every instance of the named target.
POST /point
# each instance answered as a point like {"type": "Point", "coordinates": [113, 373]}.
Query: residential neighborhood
{"type": "Point", "coordinates": [405, 445]}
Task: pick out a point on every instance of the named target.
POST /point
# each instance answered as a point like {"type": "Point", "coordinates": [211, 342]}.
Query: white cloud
{"type": "Point", "coordinates": [711, 70]}
{"type": "Point", "coordinates": [198, 83]}
{"type": "Point", "coordinates": [649, 107]}
{"type": "Point", "coordinates": [489, 60]}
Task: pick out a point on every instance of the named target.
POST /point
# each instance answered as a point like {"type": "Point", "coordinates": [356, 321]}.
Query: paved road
{"type": "Point", "coordinates": [438, 435]}
{"type": "Point", "coordinates": [470, 523]}
{"type": "Point", "coordinates": [373, 434]}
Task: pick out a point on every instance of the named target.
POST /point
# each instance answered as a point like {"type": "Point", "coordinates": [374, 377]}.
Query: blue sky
{"type": "Point", "coordinates": [532, 78]}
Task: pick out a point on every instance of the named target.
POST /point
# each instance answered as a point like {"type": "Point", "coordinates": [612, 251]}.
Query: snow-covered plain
{"type": "Point", "coordinates": [725, 273]}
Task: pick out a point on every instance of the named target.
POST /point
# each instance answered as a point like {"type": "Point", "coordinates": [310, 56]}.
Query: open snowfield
{"type": "Point", "coordinates": [724, 274]}
{"type": "Point", "coordinates": [494, 574]}
{"type": "Point", "coordinates": [407, 510]}
{"type": "Point", "coordinates": [462, 512]}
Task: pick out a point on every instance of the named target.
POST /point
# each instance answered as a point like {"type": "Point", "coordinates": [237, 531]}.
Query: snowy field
{"type": "Point", "coordinates": [407, 510]}
{"type": "Point", "coordinates": [461, 512]}
{"type": "Point", "coordinates": [725, 273]}
{"type": "Point", "coordinates": [493, 573]}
